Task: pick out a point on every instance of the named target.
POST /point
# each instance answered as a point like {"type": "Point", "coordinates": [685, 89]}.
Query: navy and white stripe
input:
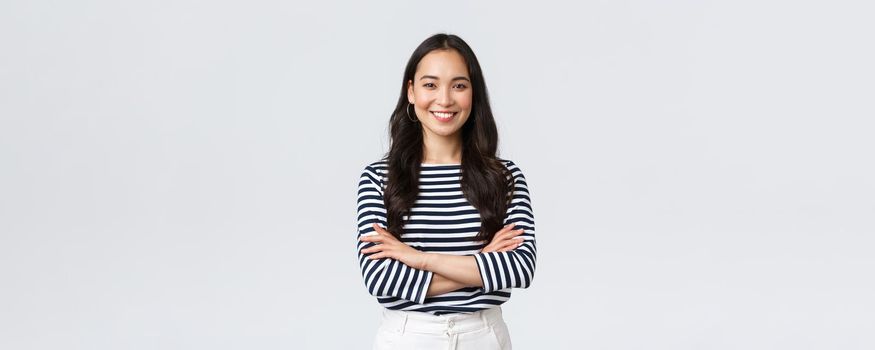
{"type": "Point", "coordinates": [442, 221]}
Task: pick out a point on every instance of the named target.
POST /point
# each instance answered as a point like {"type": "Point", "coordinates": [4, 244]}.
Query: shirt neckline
{"type": "Point", "coordinates": [445, 164]}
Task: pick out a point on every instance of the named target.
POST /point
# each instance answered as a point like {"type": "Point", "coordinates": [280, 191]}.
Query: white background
{"type": "Point", "coordinates": [183, 174]}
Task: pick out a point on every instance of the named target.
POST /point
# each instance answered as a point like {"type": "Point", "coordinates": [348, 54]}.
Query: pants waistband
{"type": "Point", "coordinates": [421, 322]}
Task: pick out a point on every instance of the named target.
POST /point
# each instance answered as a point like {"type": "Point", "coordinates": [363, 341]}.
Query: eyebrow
{"type": "Point", "coordinates": [436, 78]}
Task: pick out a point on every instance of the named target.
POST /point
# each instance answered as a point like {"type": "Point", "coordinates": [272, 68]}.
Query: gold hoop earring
{"type": "Point", "coordinates": [406, 110]}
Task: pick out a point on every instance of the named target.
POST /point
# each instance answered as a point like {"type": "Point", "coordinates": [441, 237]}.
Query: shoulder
{"type": "Point", "coordinates": [376, 170]}
{"type": "Point", "coordinates": [514, 169]}
{"type": "Point", "coordinates": [379, 165]}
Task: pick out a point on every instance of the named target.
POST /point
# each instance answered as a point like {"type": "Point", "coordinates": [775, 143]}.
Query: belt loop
{"type": "Point", "coordinates": [403, 323]}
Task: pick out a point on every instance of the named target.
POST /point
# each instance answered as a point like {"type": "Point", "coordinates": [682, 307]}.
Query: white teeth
{"type": "Point", "coordinates": [443, 115]}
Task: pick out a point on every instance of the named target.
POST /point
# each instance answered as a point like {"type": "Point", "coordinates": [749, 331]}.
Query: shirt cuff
{"type": "Point", "coordinates": [423, 287]}
{"type": "Point", "coordinates": [485, 274]}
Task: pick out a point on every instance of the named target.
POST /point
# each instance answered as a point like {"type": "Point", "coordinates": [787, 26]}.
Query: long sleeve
{"type": "Point", "coordinates": [515, 268]}
{"type": "Point", "coordinates": [384, 277]}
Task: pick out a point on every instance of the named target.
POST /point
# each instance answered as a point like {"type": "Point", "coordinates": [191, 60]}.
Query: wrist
{"type": "Point", "coordinates": [425, 259]}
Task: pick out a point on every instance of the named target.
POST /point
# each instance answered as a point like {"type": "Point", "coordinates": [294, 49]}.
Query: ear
{"type": "Point", "coordinates": [410, 98]}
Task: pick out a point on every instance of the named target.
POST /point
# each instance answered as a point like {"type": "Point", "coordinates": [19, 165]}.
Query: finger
{"type": "Point", "coordinates": [376, 248]}
{"type": "Point", "coordinates": [512, 234]}
{"type": "Point", "coordinates": [498, 236]}
{"type": "Point", "coordinates": [371, 238]}
{"type": "Point", "coordinates": [503, 247]}
{"type": "Point", "coordinates": [511, 244]}
{"type": "Point", "coordinates": [507, 235]}
{"type": "Point", "coordinates": [505, 229]}
{"type": "Point", "coordinates": [376, 256]}
{"type": "Point", "coordinates": [515, 233]}
{"type": "Point", "coordinates": [377, 228]}
{"type": "Point", "coordinates": [508, 248]}
{"type": "Point", "coordinates": [381, 230]}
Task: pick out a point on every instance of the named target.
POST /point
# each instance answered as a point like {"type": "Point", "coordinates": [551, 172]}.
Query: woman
{"type": "Point", "coordinates": [446, 228]}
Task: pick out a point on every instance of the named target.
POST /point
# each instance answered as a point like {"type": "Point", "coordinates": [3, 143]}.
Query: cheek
{"type": "Point", "coordinates": [465, 100]}
{"type": "Point", "coordinates": [422, 105]}
{"type": "Point", "coordinates": [423, 99]}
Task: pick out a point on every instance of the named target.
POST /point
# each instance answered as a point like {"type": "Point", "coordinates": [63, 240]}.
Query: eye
{"type": "Point", "coordinates": [428, 85]}
{"type": "Point", "coordinates": [461, 86]}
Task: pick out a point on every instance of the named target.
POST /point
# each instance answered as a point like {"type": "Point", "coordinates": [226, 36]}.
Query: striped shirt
{"type": "Point", "coordinates": [443, 221]}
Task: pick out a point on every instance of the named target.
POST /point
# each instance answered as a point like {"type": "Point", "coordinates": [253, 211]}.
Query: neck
{"type": "Point", "coordinates": [442, 149]}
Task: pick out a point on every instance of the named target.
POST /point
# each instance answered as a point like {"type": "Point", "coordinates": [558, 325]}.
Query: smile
{"type": "Point", "coordinates": [443, 116]}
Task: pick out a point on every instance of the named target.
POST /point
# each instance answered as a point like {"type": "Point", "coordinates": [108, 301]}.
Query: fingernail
{"type": "Point", "coordinates": [512, 224]}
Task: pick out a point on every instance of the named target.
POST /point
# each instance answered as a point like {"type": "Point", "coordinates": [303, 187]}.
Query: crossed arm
{"type": "Point", "coordinates": [392, 269]}
{"type": "Point", "coordinates": [451, 272]}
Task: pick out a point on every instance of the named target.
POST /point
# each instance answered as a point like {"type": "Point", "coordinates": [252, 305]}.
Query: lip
{"type": "Point", "coordinates": [441, 119]}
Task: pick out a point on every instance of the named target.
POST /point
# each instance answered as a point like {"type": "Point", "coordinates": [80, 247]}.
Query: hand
{"type": "Point", "coordinates": [504, 240]}
{"type": "Point", "coordinates": [387, 246]}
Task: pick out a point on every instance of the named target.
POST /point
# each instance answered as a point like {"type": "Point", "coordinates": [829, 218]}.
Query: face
{"type": "Point", "coordinates": [441, 93]}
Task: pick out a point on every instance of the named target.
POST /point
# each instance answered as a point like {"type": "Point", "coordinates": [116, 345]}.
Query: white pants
{"type": "Point", "coordinates": [482, 330]}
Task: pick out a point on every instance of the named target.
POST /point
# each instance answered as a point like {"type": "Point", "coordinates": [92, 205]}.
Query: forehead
{"type": "Point", "coordinates": [444, 64]}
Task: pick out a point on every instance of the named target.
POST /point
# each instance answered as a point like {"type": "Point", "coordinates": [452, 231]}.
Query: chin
{"type": "Point", "coordinates": [446, 130]}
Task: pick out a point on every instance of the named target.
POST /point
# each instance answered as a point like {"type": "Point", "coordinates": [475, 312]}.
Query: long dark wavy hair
{"type": "Point", "coordinates": [486, 183]}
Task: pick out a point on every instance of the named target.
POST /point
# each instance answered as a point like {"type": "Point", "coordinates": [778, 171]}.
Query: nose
{"type": "Point", "coordinates": [445, 97]}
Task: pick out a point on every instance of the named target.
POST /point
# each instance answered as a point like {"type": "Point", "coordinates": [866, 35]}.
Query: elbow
{"type": "Point", "coordinates": [378, 292]}
{"type": "Point", "coordinates": [373, 291]}
{"type": "Point", "coordinates": [526, 284]}
{"type": "Point", "coordinates": [528, 277]}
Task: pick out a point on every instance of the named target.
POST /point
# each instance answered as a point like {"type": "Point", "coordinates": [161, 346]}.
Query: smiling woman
{"type": "Point", "coordinates": [443, 93]}
{"type": "Point", "coordinates": [445, 227]}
